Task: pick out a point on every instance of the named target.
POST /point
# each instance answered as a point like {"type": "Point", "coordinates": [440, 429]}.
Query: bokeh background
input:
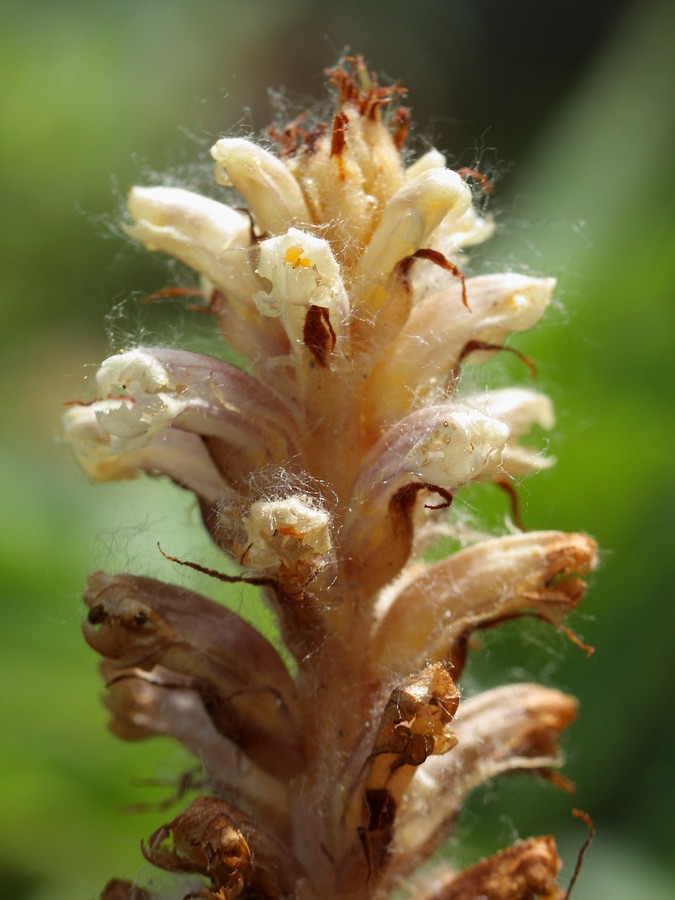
{"type": "Point", "coordinates": [568, 106]}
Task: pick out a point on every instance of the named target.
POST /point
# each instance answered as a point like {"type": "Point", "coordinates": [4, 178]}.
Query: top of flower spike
{"type": "Point", "coordinates": [344, 264]}
{"type": "Point", "coordinates": [358, 85]}
{"type": "Point", "coordinates": [358, 91]}
{"type": "Point", "coordinates": [355, 86]}
{"type": "Point", "coordinates": [346, 180]}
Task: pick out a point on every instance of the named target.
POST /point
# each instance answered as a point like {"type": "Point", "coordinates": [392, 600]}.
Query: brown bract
{"type": "Point", "coordinates": [239, 856]}
{"type": "Point", "coordinates": [525, 871]}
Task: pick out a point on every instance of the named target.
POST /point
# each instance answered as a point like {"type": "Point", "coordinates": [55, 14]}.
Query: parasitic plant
{"type": "Point", "coordinates": [324, 469]}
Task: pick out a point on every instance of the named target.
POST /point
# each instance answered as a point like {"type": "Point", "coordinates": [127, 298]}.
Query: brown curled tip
{"type": "Point", "coordinates": [509, 489]}
{"type": "Point", "coordinates": [400, 126]}
{"type": "Point", "coordinates": [579, 814]}
{"type": "Point", "coordinates": [467, 172]}
{"type": "Point", "coordinates": [406, 496]}
{"type": "Point", "coordinates": [576, 640]}
{"type": "Point", "coordinates": [438, 259]}
{"type": "Point", "coordinates": [556, 779]}
{"type": "Point", "coordinates": [473, 346]}
{"type": "Point", "coordinates": [97, 614]}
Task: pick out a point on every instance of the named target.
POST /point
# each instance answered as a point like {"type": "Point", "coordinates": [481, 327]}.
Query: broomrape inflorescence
{"type": "Point", "coordinates": [323, 471]}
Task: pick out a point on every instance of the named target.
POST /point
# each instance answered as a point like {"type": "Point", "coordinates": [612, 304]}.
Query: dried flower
{"type": "Point", "coordinates": [342, 287]}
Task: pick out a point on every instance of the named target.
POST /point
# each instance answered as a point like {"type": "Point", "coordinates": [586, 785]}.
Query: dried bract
{"type": "Point", "coordinates": [527, 869]}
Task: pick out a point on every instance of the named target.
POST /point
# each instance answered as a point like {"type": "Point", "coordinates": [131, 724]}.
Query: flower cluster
{"type": "Point", "coordinates": [323, 470]}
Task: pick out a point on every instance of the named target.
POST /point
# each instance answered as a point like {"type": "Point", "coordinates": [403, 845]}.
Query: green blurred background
{"type": "Point", "coordinates": [567, 104]}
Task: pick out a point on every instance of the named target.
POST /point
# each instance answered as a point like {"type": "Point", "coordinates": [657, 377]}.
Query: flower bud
{"type": "Point", "coordinates": [290, 537]}
{"type": "Point", "coordinates": [410, 217]}
{"type": "Point", "coordinates": [270, 191]}
{"type": "Point", "coordinates": [208, 236]}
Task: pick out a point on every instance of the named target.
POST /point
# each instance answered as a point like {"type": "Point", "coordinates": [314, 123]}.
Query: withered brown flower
{"type": "Point", "coordinates": [342, 286]}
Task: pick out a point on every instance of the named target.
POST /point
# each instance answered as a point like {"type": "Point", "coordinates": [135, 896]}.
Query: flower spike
{"type": "Point", "coordinates": [334, 764]}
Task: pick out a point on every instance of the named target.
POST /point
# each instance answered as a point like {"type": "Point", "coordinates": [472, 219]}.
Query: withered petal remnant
{"type": "Point", "coordinates": [337, 269]}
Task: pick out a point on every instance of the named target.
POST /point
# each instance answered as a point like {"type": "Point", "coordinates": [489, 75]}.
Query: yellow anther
{"type": "Point", "coordinates": [296, 259]}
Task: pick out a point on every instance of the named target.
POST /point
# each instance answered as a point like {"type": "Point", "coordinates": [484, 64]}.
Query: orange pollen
{"type": "Point", "coordinates": [290, 531]}
{"type": "Point", "coordinates": [296, 259]}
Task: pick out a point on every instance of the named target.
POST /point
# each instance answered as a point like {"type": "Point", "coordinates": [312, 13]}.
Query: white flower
{"type": "Point", "coordinates": [284, 532]}
{"type": "Point", "coordinates": [303, 273]}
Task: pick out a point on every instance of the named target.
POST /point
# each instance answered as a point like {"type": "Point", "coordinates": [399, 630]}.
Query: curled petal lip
{"type": "Point", "coordinates": [446, 445]}
{"type": "Point", "coordinates": [302, 272]}
{"type": "Point", "coordinates": [177, 454]}
{"type": "Point", "coordinates": [512, 727]}
{"type": "Point", "coordinates": [164, 388]}
{"type": "Point", "coordinates": [210, 237]}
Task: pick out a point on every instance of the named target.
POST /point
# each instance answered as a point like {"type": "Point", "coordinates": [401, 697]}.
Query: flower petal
{"type": "Point", "coordinates": [519, 409]}
{"type": "Point", "coordinates": [161, 702]}
{"type": "Point", "coordinates": [432, 616]}
{"type": "Point", "coordinates": [446, 445]}
{"type": "Point", "coordinates": [509, 728]}
{"type": "Point", "coordinates": [245, 686]}
{"type": "Point", "coordinates": [438, 448]}
{"type": "Point", "coordinates": [432, 159]}
{"type": "Point", "coordinates": [409, 219]}
{"type": "Point", "coordinates": [238, 854]}
{"type": "Point", "coordinates": [179, 455]}
{"type": "Point", "coordinates": [439, 327]}
{"type": "Point", "coordinates": [303, 273]}
{"type": "Point", "coordinates": [526, 869]}
{"type": "Point", "coordinates": [269, 189]}
{"type": "Point", "coordinates": [208, 236]}
{"type": "Point", "coordinates": [153, 389]}
{"type": "Point", "coordinates": [290, 537]}
{"type": "Point", "coordinates": [414, 725]}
